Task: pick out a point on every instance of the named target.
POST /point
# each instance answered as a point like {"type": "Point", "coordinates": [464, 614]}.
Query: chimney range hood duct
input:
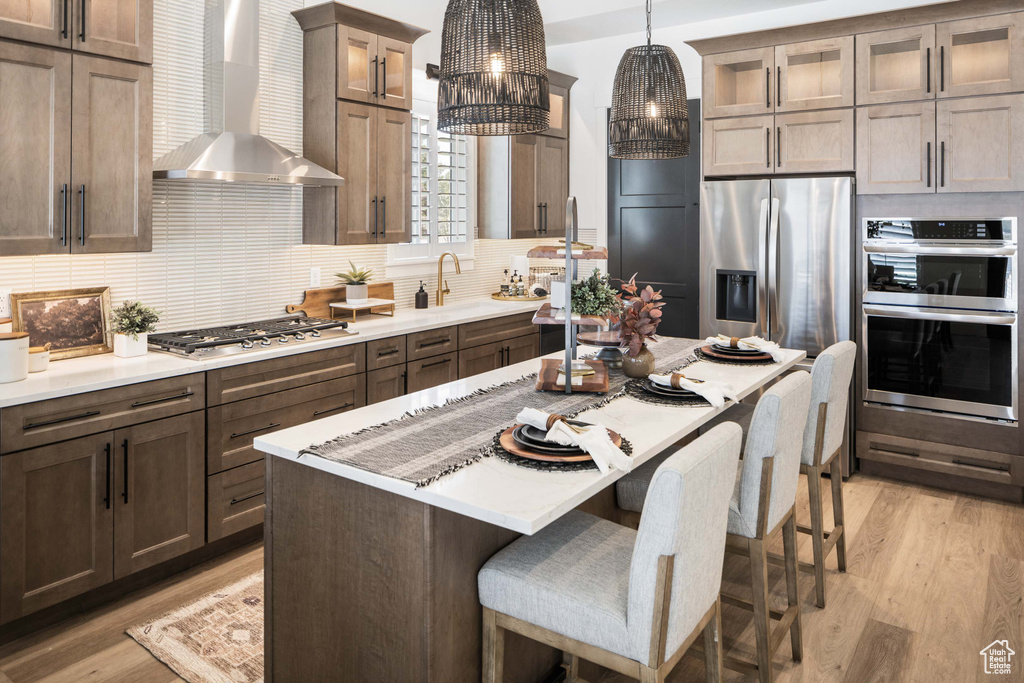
{"type": "Point", "coordinates": [233, 150]}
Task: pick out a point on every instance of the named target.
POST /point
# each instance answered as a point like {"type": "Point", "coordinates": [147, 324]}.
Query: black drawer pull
{"type": "Point", "coordinates": [258, 429]}
{"type": "Point", "coordinates": [82, 416]}
{"type": "Point", "coordinates": [892, 452]}
{"type": "Point", "coordinates": [439, 342]}
{"type": "Point", "coordinates": [106, 498]}
{"type": "Point", "coordinates": [236, 501]}
{"type": "Point", "coordinates": [390, 352]}
{"type": "Point", "coordinates": [124, 492]}
{"type": "Point", "coordinates": [139, 404]}
{"type": "Point", "coordinates": [437, 362]}
{"type": "Point", "coordinates": [333, 410]}
{"type": "Point", "coordinates": [997, 468]}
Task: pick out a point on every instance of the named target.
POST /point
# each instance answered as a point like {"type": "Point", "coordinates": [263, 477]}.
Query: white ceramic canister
{"type": "Point", "coordinates": [13, 356]}
{"type": "Point", "coordinates": [38, 358]}
{"type": "Point", "coordinates": [6, 325]}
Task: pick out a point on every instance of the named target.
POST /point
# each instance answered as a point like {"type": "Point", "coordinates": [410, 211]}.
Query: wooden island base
{"type": "Point", "coordinates": [366, 585]}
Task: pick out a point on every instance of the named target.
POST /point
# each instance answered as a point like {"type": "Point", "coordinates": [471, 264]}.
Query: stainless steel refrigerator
{"type": "Point", "coordinates": [776, 260]}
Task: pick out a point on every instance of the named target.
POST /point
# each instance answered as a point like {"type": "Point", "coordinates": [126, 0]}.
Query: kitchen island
{"type": "Point", "coordinates": [371, 578]}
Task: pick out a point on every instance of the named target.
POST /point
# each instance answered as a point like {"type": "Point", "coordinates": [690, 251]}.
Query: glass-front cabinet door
{"type": "Point", "coordinates": [358, 76]}
{"type": "Point", "coordinates": [395, 63]}
{"type": "Point", "coordinates": [36, 21]}
{"type": "Point", "coordinates": [981, 56]}
{"type": "Point", "coordinates": [896, 65]}
{"type": "Point", "coordinates": [817, 74]}
{"type": "Point", "coordinates": [114, 28]}
{"type": "Point", "coordinates": [739, 83]}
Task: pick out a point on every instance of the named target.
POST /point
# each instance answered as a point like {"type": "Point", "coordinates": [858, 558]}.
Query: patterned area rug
{"type": "Point", "coordinates": [216, 639]}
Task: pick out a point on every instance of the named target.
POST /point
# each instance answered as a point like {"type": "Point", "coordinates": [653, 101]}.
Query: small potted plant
{"type": "Point", "coordinates": [131, 323]}
{"type": "Point", "coordinates": [595, 296]}
{"type": "Point", "coordinates": [640, 317]}
{"type": "Point", "coordinates": [355, 281]}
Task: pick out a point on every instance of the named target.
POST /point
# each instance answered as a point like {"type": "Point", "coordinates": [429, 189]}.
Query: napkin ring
{"type": "Point", "coordinates": [734, 342]}
{"type": "Point", "coordinates": [552, 419]}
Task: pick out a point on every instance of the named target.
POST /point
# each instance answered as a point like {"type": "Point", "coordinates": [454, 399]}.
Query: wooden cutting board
{"type": "Point", "coordinates": [316, 303]}
{"type": "Point", "coordinates": [547, 378]}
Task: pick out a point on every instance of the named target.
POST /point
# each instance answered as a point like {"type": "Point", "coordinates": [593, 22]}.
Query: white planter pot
{"type": "Point", "coordinates": [13, 357]}
{"type": "Point", "coordinates": [357, 294]}
{"type": "Point", "coordinates": [126, 347]}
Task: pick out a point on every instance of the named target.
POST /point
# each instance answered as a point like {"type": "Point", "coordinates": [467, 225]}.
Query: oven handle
{"type": "Point", "coordinates": [914, 313]}
{"type": "Point", "coordinates": [960, 250]}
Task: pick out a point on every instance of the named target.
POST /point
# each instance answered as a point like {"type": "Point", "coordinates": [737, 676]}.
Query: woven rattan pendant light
{"type": "Point", "coordinates": [494, 68]}
{"type": "Point", "coordinates": [649, 117]}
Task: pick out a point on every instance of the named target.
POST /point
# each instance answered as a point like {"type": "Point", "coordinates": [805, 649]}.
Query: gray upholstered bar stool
{"type": "Point", "coordinates": [831, 375]}
{"type": "Point", "coordinates": [631, 601]}
{"type": "Point", "coordinates": [763, 504]}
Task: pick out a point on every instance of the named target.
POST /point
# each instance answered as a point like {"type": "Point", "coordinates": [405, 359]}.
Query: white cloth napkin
{"type": "Point", "coordinates": [753, 343]}
{"type": "Point", "coordinates": [714, 392]}
{"type": "Point", "coordinates": [593, 440]}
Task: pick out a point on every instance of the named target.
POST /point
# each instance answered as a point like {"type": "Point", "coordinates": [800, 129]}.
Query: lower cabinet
{"type": "Point", "coordinates": [429, 372]}
{"type": "Point", "coordinates": [498, 355]}
{"type": "Point", "coordinates": [56, 523]}
{"type": "Point", "coordinates": [78, 514]}
{"type": "Point", "coordinates": [235, 500]}
{"type": "Point", "coordinates": [385, 383]}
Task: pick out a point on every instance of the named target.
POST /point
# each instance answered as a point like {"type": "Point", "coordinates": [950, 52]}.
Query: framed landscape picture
{"type": "Point", "coordinates": [75, 322]}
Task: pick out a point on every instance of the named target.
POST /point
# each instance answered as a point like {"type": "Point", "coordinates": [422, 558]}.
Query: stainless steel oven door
{"type": "Point", "coordinates": [961, 362]}
{"type": "Point", "coordinates": [940, 276]}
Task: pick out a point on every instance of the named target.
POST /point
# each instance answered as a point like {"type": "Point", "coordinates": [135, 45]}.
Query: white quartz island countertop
{"type": "Point", "coordinates": [92, 373]}
{"type": "Point", "coordinates": [503, 494]}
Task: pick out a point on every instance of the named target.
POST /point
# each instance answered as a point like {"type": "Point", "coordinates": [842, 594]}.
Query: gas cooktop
{"type": "Point", "coordinates": [211, 342]}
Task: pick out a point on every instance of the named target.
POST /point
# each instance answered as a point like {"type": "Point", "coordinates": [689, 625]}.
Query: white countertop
{"type": "Point", "coordinates": [92, 373]}
{"type": "Point", "coordinates": [501, 493]}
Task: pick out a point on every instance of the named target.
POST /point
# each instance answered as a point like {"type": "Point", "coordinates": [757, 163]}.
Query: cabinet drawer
{"type": "Point", "coordinates": [499, 329]}
{"type": "Point", "coordinates": [481, 359]}
{"type": "Point", "coordinates": [270, 376]}
{"type": "Point", "coordinates": [43, 422]}
{"type": "Point", "coordinates": [432, 343]}
{"type": "Point", "coordinates": [383, 353]}
{"type": "Point", "coordinates": [969, 463]}
{"type": "Point", "coordinates": [235, 500]}
{"type": "Point", "coordinates": [385, 384]}
{"type": "Point", "coordinates": [232, 427]}
{"type": "Point", "coordinates": [430, 372]}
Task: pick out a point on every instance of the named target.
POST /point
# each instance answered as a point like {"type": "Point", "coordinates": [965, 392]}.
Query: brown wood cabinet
{"type": "Point", "coordinates": [112, 28]}
{"type": "Point", "coordinates": [56, 523]}
{"type": "Point", "coordinates": [235, 500]}
{"type": "Point", "coordinates": [559, 87]}
{"type": "Point", "coordinates": [816, 74]}
{"type": "Point", "coordinates": [386, 383]}
{"type": "Point", "coordinates": [981, 55]}
{"type": "Point", "coordinates": [896, 65]}
{"type": "Point", "coordinates": [743, 146]}
{"type": "Point", "coordinates": [496, 355]}
{"type": "Point", "coordinates": [814, 141]}
{"type": "Point", "coordinates": [35, 101]}
{"type": "Point", "coordinates": [738, 83]}
{"type": "Point", "coordinates": [430, 372]}
{"type": "Point", "coordinates": [432, 342]}
{"type": "Point", "coordinates": [896, 148]}
{"type": "Point", "coordinates": [159, 492]}
{"type": "Point", "coordinates": [395, 58]}
{"type": "Point", "coordinates": [524, 184]}
{"type": "Point", "coordinates": [981, 144]}
{"type": "Point", "coordinates": [112, 153]}
{"type": "Point", "coordinates": [394, 176]}
{"type": "Point", "coordinates": [496, 329]}
{"type": "Point", "coordinates": [373, 69]}
{"type": "Point", "coordinates": [383, 353]}
{"type": "Point", "coordinates": [43, 22]}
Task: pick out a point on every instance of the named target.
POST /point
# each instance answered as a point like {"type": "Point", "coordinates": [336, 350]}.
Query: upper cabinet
{"type": "Point", "coordinates": [739, 83]}
{"type": "Point", "coordinates": [559, 85]}
{"type": "Point", "coordinates": [816, 74]}
{"type": "Point", "coordinates": [374, 69]}
{"type": "Point", "coordinates": [112, 28]}
{"type": "Point", "coordinates": [896, 65]}
{"type": "Point", "coordinates": [981, 144]}
{"type": "Point", "coordinates": [981, 56]}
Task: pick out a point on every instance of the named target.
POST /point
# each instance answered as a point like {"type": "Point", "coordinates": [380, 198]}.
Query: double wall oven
{"type": "Point", "coordinates": [939, 318]}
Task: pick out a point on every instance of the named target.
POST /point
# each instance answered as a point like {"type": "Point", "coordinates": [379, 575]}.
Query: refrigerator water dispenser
{"type": "Point", "coordinates": [736, 295]}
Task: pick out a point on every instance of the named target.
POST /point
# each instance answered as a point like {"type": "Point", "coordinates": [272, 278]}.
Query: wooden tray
{"type": "Point", "coordinates": [316, 303]}
{"type": "Point", "coordinates": [752, 358]}
{"type": "Point", "coordinates": [547, 316]}
{"type": "Point", "coordinates": [509, 443]}
{"type": "Point", "coordinates": [603, 338]}
{"type": "Point", "coordinates": [551, 251]}
{"type": "Point", "coordinates": [547, 378]}
{"type": "Point", "coordinates": [498, 296]}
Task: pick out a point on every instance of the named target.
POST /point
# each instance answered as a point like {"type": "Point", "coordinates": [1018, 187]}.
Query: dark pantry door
{"type": "Point", "coordinates": [654, 228]}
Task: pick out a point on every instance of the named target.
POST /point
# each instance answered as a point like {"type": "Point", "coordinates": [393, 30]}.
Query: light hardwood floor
{"type": "Point", "coordinates": [933, 577]}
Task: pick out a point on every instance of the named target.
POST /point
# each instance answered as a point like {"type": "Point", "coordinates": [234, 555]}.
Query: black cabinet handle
{"type": "Point", "coordinates": [389, 352]}
{"type": "Point", "coordinates": [942, 164]}
{"type": "Point", "coordinates": [64, 204]}
{"type": "Point", "coordinates": [778, 85]}
{"type": "Point", "coordinates": [909, 454]}
{"type": "Point", "coordinates": [928, 69]}
{"type": "Point", "coordinates": [768, 148]}
{"type": "Point", "coordinates": [80, 416]}
{"type": "Point", "coordinates": [384, 70]}
{"type": "Point", "coordinates": [81, 225]}
{"type": "Point", "coordinates": [258, 429]}
{"type": "Point", "coordinates": [540, 218]}
{"type": "Point", "coordinates": [374, 218]}
{"type": "Point", "coordinates": [501, 356]}
{"type": "Point", "coordinates": [942, 68]}
{"type": "Point", "coordinates": [383, 218]}
{"type": "Point", "coordinates": [106, 498]}
{"type": "Point", "coordinates": [778, 147]}
{"type": "Point", "coordinates": [236, 501]}
{"type": "Point", "coordinates": [928, 165]}
{"type": "Point", "coordinates": [439, 362]}
{"type": "Point", "coordinates": [82, 34]}
{"type": "Point", "coordinates": [545, 218]}
{"type": "Point", "coordinates": [376, 78]}
{"type": "Point", "coordinates": [996, 468]}
{"type": "Point", "coordinates": [165, 399]}
{"type": "Point", "coordinates": [438, 342]}
{"type": "Point", "coordinates": [767, 87]}
{"type": "Point", "coordinates": [405, 382]}
{"type": "Point", "coordinates": [64, 31]}
{"type": "Point", "coordinates": [124, 447]}
{"type": "Point", "coordinates": [333, 410]}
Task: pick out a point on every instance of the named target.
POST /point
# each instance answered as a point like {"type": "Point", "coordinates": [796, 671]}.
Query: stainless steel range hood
{"type": "Point", "coordinates": [233, 150]}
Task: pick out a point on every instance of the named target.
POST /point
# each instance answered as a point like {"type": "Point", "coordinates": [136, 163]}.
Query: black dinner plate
{"type": "Point", "coordinates": [535, 443]}
{"type": "Point", "coordinates": [736, 352]}
{"type": "Point", "coordinates": [653, 388]}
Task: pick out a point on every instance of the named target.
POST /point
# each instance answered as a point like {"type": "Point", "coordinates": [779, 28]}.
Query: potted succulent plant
{"type": "Point", "coordinates": [640, 317]}
{"type": "Point", "coordinates": [131, 323]}
{"type": "Point", "coordinates": [355, 281]}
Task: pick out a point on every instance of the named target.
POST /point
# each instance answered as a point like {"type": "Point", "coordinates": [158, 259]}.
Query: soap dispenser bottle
{"type": "Point", "coordinates": [421, 297]}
